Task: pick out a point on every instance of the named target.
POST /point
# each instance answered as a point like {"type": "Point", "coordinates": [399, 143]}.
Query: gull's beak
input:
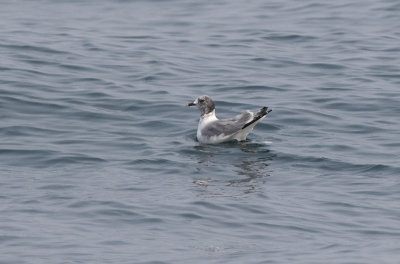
{"type": "Point", "coordinates": [190, 104]}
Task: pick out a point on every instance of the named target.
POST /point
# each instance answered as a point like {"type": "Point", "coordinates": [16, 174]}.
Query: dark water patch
{"type": "Point", "coordinates": [354, 107]}
{"type": "Point", "coordinates": [286, 227]}
{"type": "Point", "coordinates": [76, 142]}
{"type": "Point", "coordinates": [41, 158]}
{"type": "Point", "coordinates": [78, 68]}
{"type": "Point", "coordinates": [134, 189]}
{"type": "Point", "coordinates": [386, 76]}
{"type": "Point", "coordinates": [332, 165]}
{"type": "Point", "coordinates": [135, 37]}
{"type": "Point", "coordinates": [22, 130]}
{"type": "Point", "coordinates": [57, 197]}
{"type": "Point", "coordinates": [148, 78]}
{"type": "Point", "coordinates": [157, 125]}
{"type": "Point", "coordinates": [31, 201]}
{"type": "Point", "coordinates": [91, 46]}
{"type": "Point", "coordinates": [375, 168]}
{"type": "Point", "coordinates": [106, 101]}
{"type": "Point", "coordinates": [161, 75]}
{"type": "Point", "coordinates": [94, 203]}
{"type": "Point", "coordinates": [40, 62]}
{"type": "Point", "coordinates": [250, 88]}
{"type": "Point", "coordinates": [378, 233]}
{"type": "Point", "coordinates": [253, 209]}
{"type": "Point", "coordinates": [323, 115]}
{"type": "Point", "coordinates": [2, 68]}
{"type": "Point", "coordinates": [154, 261]}
{"type": "Point", "coordinates": [334, 89]}
{"type": "Point", "coordinates": [114, 243]}
{"type": "Point", "coordinates": [362, 79]}
{"type": "Point", "coordinates": [327, 66]}
{"type": "Point", "coordinates": [391, 145]}
{"type": "Point", "coordinates": [383, 68]}
{"type": "Point", "coordinates": [388, 7]}
{"type": "Point", "coordinates": [293, 121]}
{"type": "Point", "coordinates": [91, 81]}
{"type": "Point", "coordinates": [34, 211]}
{"type": "Point", "coordinates": [268, 126]}
{"type": "Point", "coordinates": [146, 221]}
{"type": "Point", "coordinates": [30, 74]}
{"type": "Point", "coordinates": [95, 114]}
{"type": "Point", "coordinates": [342, 148]}
{"type": "Point", "coordinates": [159, 92]}
{"type": "Point", "coordinates": [390, 50]}
{"type": "Point", "coordinates": [311, 6]}
{"type": "Point", "coordinates": [207, 205]}
{"type": "Point", "coordinates": [125, 105]}
{"type": "Point", "coordinates": [115, 212]}
{"type": "Point", "coordinates": [290, 38]}
{"type": "Point", "coordinates": [340, 205]}
{"type": "Point", "coordinates": [190, 216]}
{"type": "Point", "coordinates": [7, 239]}
{"type": "Point", "coordinates": [260, 59]}
{"type": "Point", "coordinates": [57, 187]}
{"type": "Point", "coordinates": [286, 63]}
{"type": "Point", "coordinates": [371, 193]}
{"type": "Point", "coordinates": [362, 129]}
{"type": "Point", "coordinates": [73, 159]}
{"type": "Point", "coordinates": [33, 157]}
{"type": "Point", "coordinates": [31, 106]}
{"type": "Point", "coordinates": [147, 163]}
{"type": "Point", "coordinates": [324, 100]}
{"type": "Point", "coordinates": [28, 48]}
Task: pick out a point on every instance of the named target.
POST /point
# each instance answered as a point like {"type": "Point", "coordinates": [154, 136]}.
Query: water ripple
{"type": "Point", "coordinates": [99, 158]}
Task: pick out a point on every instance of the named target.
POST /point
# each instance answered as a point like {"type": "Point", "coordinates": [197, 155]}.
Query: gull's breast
{"type": "Point", "coordinates": [203, 123]}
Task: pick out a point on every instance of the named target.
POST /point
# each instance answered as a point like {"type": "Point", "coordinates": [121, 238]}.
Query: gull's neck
{"type": "Point", "coordinates": [210, 116]}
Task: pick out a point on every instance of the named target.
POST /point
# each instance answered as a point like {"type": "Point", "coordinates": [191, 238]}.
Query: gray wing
{"type": "Point", "coordinates": [227, 126]}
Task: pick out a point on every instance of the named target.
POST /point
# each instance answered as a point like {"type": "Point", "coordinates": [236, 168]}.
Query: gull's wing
{"type": "Point", "coordinates": [227, 126]}
{"type": "Point", "coordinates": [260, 114]}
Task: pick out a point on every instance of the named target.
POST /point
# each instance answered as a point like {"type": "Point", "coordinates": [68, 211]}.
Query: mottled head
{"type": "Point", "coordinates": [204, 103]}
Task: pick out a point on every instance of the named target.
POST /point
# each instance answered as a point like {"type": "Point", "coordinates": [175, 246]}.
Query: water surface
{"type": "Point", "coordinates": [99, 161]}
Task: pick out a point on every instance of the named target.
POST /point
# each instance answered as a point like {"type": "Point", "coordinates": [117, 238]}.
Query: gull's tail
{"type": "Point", "coordinates": [263, 112]}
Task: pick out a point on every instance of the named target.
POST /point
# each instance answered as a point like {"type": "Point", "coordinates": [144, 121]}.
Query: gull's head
{"type": "Point", "coordinates": [204, 103]}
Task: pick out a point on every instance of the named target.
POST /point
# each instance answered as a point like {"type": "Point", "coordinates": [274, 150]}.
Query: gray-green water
{"type": "Point", "coordinates": [98, 157]}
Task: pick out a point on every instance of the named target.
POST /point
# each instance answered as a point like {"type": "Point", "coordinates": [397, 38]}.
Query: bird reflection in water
{"type": "Point", "coordinates": [249, 164]}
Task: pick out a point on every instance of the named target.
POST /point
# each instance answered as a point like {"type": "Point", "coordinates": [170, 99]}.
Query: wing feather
{"type": "Point", "coordinates": [227, 126]}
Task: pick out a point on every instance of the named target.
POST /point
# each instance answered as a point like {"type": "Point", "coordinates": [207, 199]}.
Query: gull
{"type": "Point", "coordinates": [212, 130]}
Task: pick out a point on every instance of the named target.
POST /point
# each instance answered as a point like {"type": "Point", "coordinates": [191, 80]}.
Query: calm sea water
{"type": "Point", "coordinates": [99, 161]}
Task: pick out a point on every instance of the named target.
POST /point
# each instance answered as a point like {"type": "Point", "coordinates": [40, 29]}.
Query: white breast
{"type": "Point", "coordinates": [203, 122]}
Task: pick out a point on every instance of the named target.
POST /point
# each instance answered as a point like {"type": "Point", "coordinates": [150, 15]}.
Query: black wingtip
{"type": "Point", "coordinates": [263, 112]}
